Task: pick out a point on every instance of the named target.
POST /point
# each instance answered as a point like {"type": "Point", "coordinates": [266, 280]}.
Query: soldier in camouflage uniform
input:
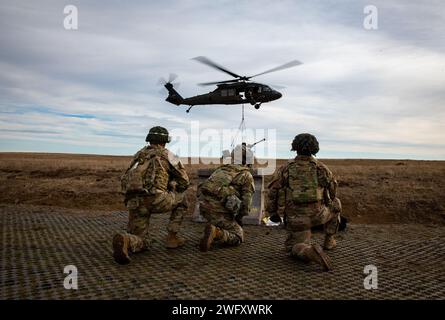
{"type": "Point", "coordinates": [224, 199]}
{"type": "Point", "coordinates": [304, 191]}
{"type": "Point", "coordinates": [154, 183]}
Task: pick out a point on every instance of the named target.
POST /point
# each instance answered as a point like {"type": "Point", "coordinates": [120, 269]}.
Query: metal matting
{"type": "Point", "coordinates": [37, 243]}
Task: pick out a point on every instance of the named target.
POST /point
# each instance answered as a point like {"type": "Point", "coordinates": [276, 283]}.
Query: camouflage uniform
{"type": "Point", "coordinates": [304, 191]}
{"type": "Point", "coordinates": [165, 186]}
{"type": "Point", "coordinates": [212, 207]}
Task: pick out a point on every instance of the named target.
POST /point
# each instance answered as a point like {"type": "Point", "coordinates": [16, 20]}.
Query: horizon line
{"type": "Point", "coordinates": [187, 157]}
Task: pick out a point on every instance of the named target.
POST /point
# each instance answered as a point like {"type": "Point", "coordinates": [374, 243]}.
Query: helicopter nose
{"type": "Point", "coordinates": [278, 95]}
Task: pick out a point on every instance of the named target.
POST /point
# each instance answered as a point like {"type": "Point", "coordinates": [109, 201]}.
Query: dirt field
{"type": "Point", "coordinates": [372, 191]}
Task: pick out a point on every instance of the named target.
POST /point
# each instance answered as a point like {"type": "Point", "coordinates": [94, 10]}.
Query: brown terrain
{"type": "Point", "coordinates": [372, 191]}
{"type": "Point", "coordinates": [61, 209]}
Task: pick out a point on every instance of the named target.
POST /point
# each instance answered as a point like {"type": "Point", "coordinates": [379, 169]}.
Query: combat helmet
{"type": "Point", "coordinates": [305, 144]}
{"type": "Point", "coordinates": [158, 135]}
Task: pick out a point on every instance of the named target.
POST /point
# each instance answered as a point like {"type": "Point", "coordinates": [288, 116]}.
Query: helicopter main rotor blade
{"type": "Point", "coordinates": [290, 64]}
{"type": "Point", "coordinates": [216, 82]}
{"type": "Point", "coordinates": [277, 86]}
{"type": "Point", "coordinates": [212, 64]}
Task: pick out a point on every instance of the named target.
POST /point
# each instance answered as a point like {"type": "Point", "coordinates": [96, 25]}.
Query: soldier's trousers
{"type": "Point", "coordinates": [140, 208]}
{"type": "Point", "coordinates": [299, 227]}
{"type": "Point", "coordinates": [232, 232]}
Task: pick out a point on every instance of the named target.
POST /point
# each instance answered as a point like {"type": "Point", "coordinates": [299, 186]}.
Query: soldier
{"type": "Point", "coordinates": [224, 199]}
{"type": "Point", "coordinates": [304, 190]}
{"type": "Point", "coordinates": [154, 183]}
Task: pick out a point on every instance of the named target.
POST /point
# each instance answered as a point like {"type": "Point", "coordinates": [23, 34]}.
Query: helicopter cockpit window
{"type": "Point", "coordinates": [223, 93]}
{"type": "Point", "coordinates": [266, 89]}
{"type": "Point", "coordinates": [259, 89]}
{"type": "Point", "coordinates": [231, 92]}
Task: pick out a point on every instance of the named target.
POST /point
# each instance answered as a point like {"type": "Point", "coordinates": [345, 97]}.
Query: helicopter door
{"type": "Point", "coordinates": [242, 94]}
{"type": "Point", "coordinates": [249, 95]}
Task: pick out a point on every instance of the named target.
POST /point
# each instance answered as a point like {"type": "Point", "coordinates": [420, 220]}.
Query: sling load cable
{"type": "Point", "coordinates": [241, 128]}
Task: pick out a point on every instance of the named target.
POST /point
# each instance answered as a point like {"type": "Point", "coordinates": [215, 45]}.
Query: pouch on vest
{"type": "Point", "coordinates": [133, 180]}
{"type": "Point", "coordinates": [218, 185]}
{"type": "Point", "coordinates": [303, 183]}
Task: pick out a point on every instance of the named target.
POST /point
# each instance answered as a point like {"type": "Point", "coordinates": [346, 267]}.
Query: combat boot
{"type": "Point", "coordinates": [174, 241]}
{"type": "Point", "coordinates": [315, 254]}
{"type": "Point", "coordinates": [211, 233]}
{"type": "Point", "coordinates": [329, 242]}
{"type": "Point", "coordinates": [120, 248]}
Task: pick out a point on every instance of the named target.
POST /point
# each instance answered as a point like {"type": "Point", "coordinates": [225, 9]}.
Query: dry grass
{"type": "Point", "coordinates": [372, 191]}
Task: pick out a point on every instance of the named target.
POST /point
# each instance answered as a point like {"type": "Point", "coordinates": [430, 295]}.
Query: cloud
{"type": "Point", "coordinates": [363, 93]}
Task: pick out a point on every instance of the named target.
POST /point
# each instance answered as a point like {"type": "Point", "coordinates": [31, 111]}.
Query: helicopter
{"type": "Point", "coordinates": [239, 90]}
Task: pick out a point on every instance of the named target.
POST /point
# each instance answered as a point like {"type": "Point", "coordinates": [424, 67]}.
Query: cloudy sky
{"type": "Point", "coordinates": [363, 93]}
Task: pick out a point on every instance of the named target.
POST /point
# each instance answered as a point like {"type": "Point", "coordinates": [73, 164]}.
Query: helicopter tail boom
{"type": "Point", "coordinates": [173, 96]}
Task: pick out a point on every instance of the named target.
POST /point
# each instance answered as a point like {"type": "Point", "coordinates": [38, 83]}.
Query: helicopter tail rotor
{"type": "Point", "coordinates": [171, 77]}
{"type": "Point", "coordinates": [166, 83]}
{"type": "Point", "coordinates": [173, 96]}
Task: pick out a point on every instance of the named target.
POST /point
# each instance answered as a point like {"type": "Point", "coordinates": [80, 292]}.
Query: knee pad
{"type": "Point", "coordinates": [147, 243]}
{"type": "Point", "coordinates": [299, 249]}
{"type": "Point", "coordinates": [184, 202]}
{"type": "Point", "coordinates": [302, 236]}
{"type": "Point", "coordinates": [180, 201]}
{"type": "Point", "coordinates": [240, 239]}
{"type": "Point", "coordinates": [241, 235]}
{"type": "Point", "coordinates": [331, 227]}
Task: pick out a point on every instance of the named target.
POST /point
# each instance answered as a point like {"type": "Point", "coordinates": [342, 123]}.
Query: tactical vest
{"type": "Point", "coordinates": [148, 174]}
{"type": "Point", "coordinates": [303, 184]}
{"type": "Point", "coordinates": [219, 184]}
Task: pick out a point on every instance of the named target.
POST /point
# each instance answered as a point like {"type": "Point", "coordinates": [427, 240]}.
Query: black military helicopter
{"type": "Point", "coordinates": [236, 91]}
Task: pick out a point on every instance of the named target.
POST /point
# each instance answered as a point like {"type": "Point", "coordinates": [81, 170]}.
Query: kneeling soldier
{"type": "Point", "coordinates": [154, 183]}
{"type": "Point", "coordinates": [224, 199]}
{"type": "Point", "coordinates": [305, 190]}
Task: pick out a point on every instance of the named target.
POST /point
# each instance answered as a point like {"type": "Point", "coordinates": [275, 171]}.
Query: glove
{"type": "Point", "coordinates": [173, 185]}
{"type": "Point", "coordinates": [233, 204]}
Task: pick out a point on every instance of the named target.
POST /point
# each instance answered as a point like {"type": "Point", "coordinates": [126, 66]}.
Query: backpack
{"type": "Point", "coordinates": [219, 184]}
{"type": "Point", "coordinates": [135, 179]}
{"type": "Point", "coordinates": [303, 182]}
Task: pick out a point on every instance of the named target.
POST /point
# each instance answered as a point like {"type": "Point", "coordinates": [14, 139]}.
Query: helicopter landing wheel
{"type": "Point", "coordinates": [188, 110]}
{"type": "Point", "coordinates": [257, 106]}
